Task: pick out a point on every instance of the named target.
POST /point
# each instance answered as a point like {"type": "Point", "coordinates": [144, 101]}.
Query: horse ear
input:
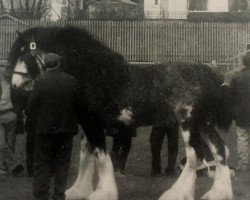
{"type": "Point", "coordinates": [22, 36]}
{"type": "Point", "coordinates": [19, 33]}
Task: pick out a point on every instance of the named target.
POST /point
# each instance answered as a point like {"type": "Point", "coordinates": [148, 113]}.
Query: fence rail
{"type": "Point", "coordinates": [152, 40]}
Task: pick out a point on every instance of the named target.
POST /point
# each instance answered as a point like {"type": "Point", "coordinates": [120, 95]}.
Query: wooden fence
{"type": "Point", "coordinates": [152, 40]}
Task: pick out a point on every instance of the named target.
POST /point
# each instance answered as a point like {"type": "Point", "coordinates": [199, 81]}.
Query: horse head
{"type": "Point", "coordinates": [27, 62]}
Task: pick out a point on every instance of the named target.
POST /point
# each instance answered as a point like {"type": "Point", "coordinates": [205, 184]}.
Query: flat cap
{"type": "Point", "coordinates": [51, 60]}
{"type": "Point", "coordinates": [4, 63]}
{"type": "Point", "coordinates": [246, 59]}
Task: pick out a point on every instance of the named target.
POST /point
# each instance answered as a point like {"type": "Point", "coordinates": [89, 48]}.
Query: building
{"type": "Point", "coordinates": [218, 6]}
{"type": "Point", "coordinates": [158, 9]}
{"type": "Point", "coordinates": [178, 9]}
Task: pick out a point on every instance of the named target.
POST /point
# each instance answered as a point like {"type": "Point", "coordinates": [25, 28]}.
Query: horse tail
{"type": "Point", "coordinates": [224, 107]}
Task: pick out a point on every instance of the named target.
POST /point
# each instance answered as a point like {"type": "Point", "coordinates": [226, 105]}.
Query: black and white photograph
{"type": "Point", "coordinates": [124, 99]}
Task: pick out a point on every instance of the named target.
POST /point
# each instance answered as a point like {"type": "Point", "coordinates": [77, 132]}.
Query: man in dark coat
{"type": "Point", "coordinates": [52, 106]}
{"type": "Point", "coordinates": [240, 88]}
{"type": "Point", "coordinates": [171, 130]}
{"type": "Point", "coordinates": [122, 141]}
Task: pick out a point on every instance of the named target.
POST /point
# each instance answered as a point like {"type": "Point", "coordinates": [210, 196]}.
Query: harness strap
{"type": "Point", "coordinates": [38, 56]}
{"type": "Point", "coordinates": [21, 73]}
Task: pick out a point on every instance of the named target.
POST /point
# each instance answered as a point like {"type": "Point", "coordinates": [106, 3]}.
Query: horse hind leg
{"type": "Point", "coordinates": [83, 185]}
{"type": "Point", "coordinates": [222, 186]}
{"type": "Point", "coordinates": [184, 187]}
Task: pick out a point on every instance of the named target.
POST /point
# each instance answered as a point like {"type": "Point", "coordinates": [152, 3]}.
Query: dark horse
{"type": "Point", "coordinates": [115, 94]}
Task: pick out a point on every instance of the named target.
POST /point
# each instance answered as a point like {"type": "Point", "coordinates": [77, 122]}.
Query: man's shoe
{"type": "Point", "coordinates": [18, 169]}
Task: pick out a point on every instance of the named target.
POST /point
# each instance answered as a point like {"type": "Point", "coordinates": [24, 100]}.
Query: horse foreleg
{"type": "Point", "coordinates": [106, 188]}
{"type": "Point", "coordinates": [222, 186]}
{"type": "Point", "coordinates": [184, 187]}
{"type": "Point", "coordinates": [83, 185]}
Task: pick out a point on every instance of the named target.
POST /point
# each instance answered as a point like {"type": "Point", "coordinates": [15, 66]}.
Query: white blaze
{"type": "Point", "coordinates": [17, 79]}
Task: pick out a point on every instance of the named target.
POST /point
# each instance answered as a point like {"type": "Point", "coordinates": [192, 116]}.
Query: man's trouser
{"type": "Point", "coordinates": [120, 149]}
{"type": "Point", "coordinates": [30, 151]}
{"type": "Point", "coordinates": [242, 145]}
{"type": "Point", "coordinates": [7, 141]}
{"type": "Point", "coordinates": [52, 153]}
{"type": "Point", "coordinates": [156, 141]}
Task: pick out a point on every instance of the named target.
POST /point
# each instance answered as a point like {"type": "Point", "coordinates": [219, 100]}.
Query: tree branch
{"type": "Point", "coordinates": [39, 5]}
{"type": "Point", "coordinates": [12, 9]}
{"type": "Point", "coordinates": [2, 6]}
{"type": "Point", "coordinates": [21, 6]}
{"type": "Point", "coordinates": [33, 7]}
{"type": "Point", "coordinates": [87, 4]}
{"type": "Point", "coordinates": [27, 6]}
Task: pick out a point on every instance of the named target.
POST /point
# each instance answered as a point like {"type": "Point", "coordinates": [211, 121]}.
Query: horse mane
{"type": "Point", "coordinates": [101, 72]}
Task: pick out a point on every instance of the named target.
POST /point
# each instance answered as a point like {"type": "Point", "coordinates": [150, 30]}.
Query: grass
{"type": "Point", "coordinates": [137, 185]}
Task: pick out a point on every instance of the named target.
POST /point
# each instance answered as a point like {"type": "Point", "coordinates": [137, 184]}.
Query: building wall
{"type": "Point", "coordinates": [218, 6]}
{"type": "Point", "coordinates": [177, 5]}
{"type": "Point", "coordinates": [55, 10]}
{"type": "Point", "coordinates": [165, 8]}
{"type": "Point", "coordinates": [150, 5]}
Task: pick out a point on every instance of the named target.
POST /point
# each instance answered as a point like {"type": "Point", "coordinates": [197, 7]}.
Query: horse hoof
{"type": "Point", "coordinates": [75, 193]}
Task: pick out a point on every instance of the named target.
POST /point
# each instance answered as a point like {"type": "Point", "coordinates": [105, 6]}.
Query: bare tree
{"type": "Point", "coordinates": [76, 8]}
{"type": "Point", "coordinates": [26, 9]}
{"type": "Point", "coordinates": [239, 5]}
{"type": "Point", "coordinates": [1, 6]}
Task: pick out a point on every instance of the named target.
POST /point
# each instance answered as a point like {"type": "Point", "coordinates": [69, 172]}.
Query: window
{"type": "Point", "coordinates": [248, 46]}
{"type": "Point", "coordinates": [156, 2]}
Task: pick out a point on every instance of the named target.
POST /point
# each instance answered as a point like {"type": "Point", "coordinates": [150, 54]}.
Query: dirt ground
{"type": "Point", "coordinates": [137, 185]}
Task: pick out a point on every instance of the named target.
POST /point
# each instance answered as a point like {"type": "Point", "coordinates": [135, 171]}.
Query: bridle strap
{"type": "Point", "coordinates": [39, 58]}
{"type": "Point", "coordinates": [21, 73]}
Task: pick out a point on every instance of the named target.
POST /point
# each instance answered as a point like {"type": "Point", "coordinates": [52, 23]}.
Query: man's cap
{"type": "Point", "coordinates": [4, 63]}
{"type": "Point", "coordinates": [246, 59]}
{"type": "Point", "coordinates": [51, 60]}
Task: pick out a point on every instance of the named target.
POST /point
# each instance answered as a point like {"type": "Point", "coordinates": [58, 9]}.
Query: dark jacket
{"type": "Point", "coordinates": [53, 103]}
{"type": "Point", "coordinates": [240, 89]}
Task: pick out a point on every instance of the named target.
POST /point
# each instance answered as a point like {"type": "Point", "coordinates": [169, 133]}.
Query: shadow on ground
{"type": "Point", "coordinates": [137, 185]}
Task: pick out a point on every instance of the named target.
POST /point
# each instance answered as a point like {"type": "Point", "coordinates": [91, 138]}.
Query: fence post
{"type": "Point", "coordinates": [155, 43]}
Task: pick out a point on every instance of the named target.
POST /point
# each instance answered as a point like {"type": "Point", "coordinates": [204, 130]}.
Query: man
{"type": "Point", "coordinates": [8, 160]}
{"type": "Point", "coordinates": [19, 99]}
{"type": "Point", "coordinates": [171, 129]}
{"type": "Point", "coordinates": [122, 141]}
{"type": "Point", "coordinates": [240, 88]}
{"type": "Point", "coordinates": [52, 107]}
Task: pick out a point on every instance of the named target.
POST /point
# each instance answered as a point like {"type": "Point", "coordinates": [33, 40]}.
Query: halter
{"type": "Point", "coordinates": [29, 80]}
{"type": "Point", "coordinates": [33, 52]}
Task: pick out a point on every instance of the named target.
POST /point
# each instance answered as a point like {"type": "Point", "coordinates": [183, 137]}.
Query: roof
{"type": "Point", "coordinates": [8, 16]}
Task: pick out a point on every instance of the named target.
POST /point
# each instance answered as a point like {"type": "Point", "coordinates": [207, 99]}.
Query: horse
{"type": "Point", "coordinates": [116, 94]}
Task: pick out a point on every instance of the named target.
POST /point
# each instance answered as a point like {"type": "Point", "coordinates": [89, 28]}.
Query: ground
{"type": "Point", "coordinates": [137, 185]}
